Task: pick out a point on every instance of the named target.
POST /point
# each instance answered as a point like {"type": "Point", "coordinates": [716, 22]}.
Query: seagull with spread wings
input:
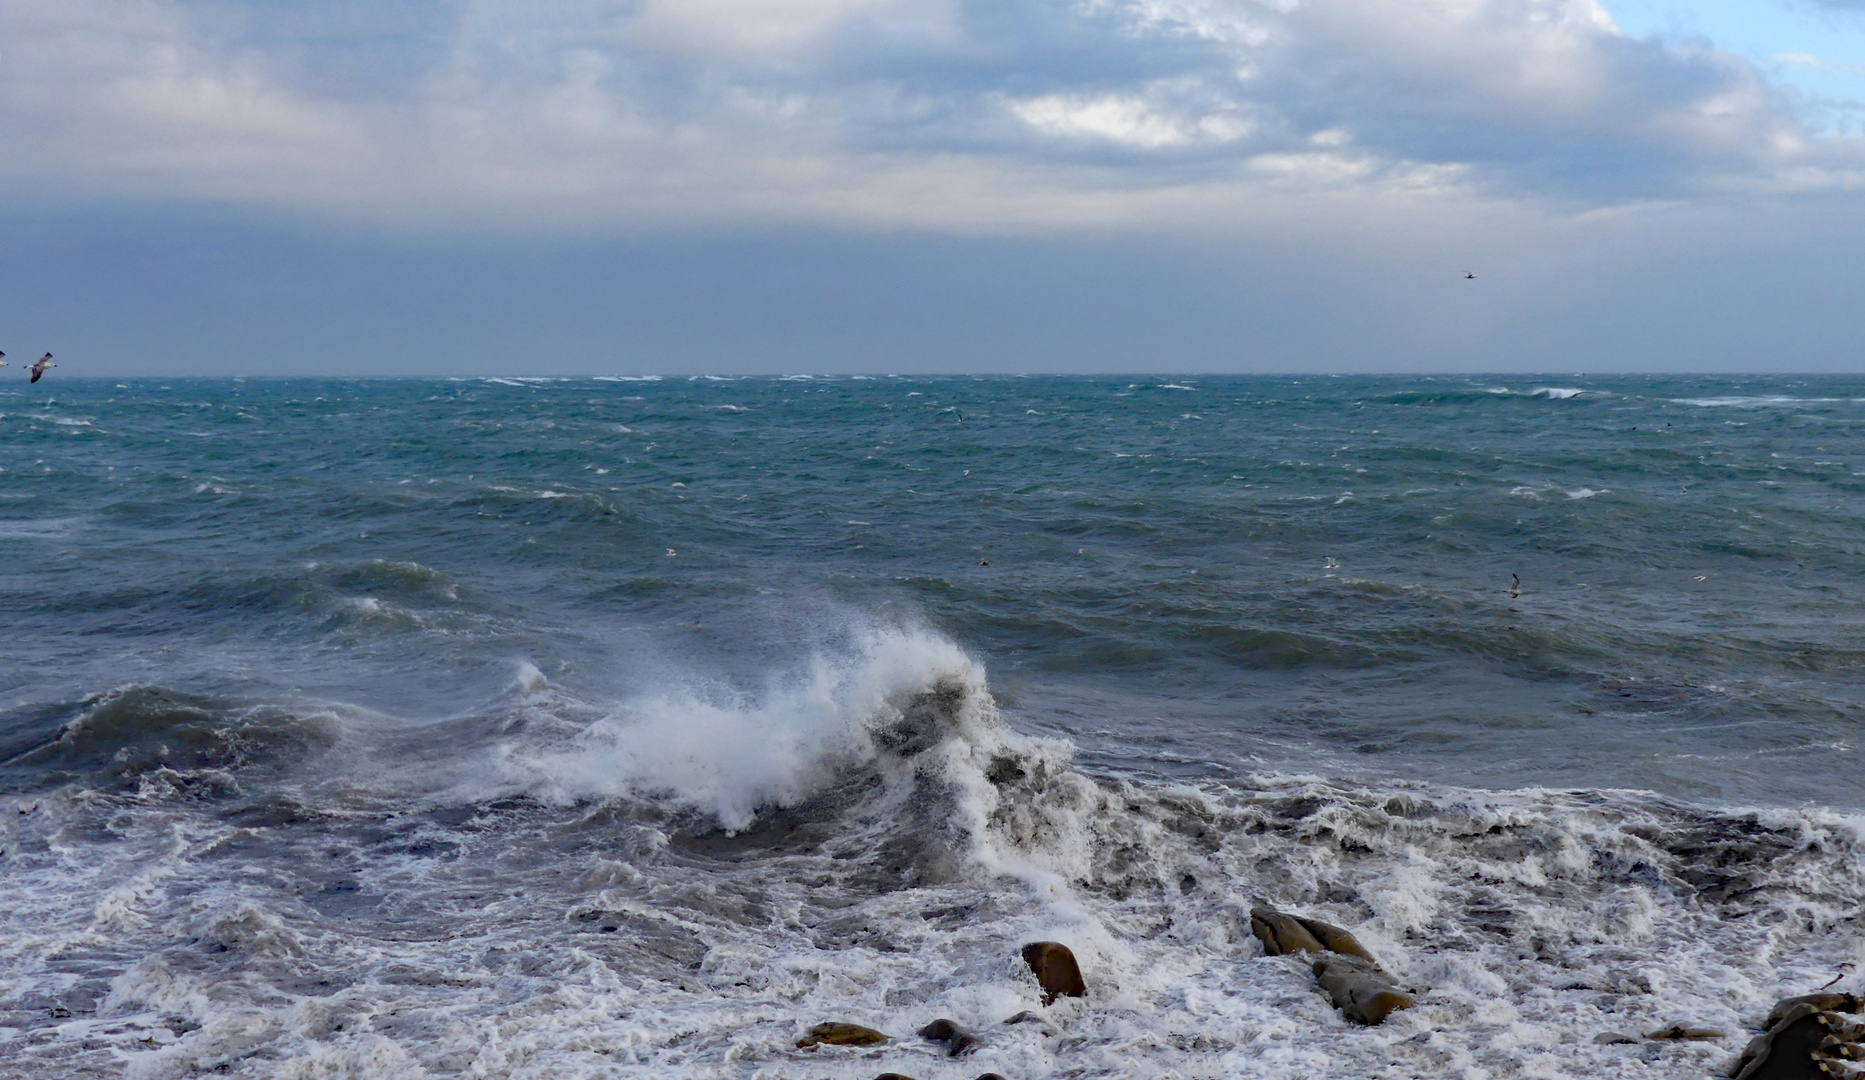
{"type": "Point", "coordinates": [40, 368]}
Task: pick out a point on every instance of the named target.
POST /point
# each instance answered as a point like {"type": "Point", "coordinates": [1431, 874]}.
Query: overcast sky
{"type": "Point", "coordinates": [596, 186]}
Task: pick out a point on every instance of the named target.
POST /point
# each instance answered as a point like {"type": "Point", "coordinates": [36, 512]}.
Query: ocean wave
{"type": "Point", "coordinates": [729, 754]}
{"type": "Point", "coordinates": [686, 884]}
{"type": "Point", "coordinates": [131, 733]}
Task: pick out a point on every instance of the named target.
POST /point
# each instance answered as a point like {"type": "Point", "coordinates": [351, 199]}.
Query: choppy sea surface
{"type": "Point", "coordinates": [630, 727]}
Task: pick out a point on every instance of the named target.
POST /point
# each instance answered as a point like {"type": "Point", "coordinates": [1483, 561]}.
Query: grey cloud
{"type": "Point", "coordinates": [926, 113]}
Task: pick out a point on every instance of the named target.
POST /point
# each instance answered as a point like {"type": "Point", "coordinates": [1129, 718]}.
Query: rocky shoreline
{"type": "Point", "coordinates": [1818, 1036]}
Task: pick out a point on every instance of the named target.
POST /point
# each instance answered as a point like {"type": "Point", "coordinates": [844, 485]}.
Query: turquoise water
{"type": "Point", "coordinates": [620, 727]}
{"type": "Point", "coordinates": [1159, 586]}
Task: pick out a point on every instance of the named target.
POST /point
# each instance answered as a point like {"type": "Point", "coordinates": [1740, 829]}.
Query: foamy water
{"type": "Point", "coordinates": [681, 885]}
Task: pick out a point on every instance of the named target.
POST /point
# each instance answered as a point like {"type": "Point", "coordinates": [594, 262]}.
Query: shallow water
{"type": "Point", "coordinates": [629, 728]}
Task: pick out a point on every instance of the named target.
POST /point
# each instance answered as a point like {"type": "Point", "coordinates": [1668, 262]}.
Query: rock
{"type": "Point", "coordinates": [1362, 992]}
{"type": "Point", "coordinates": [835, 1034]}
{"type": "Point", "coordinates": [1612, 1037]}
{"type": "Point", "coordinates": [893, 1076]}
{"type": "Point", "coordinates": [1028, 1017]}
{"type": "Point", "coordinates": [956, 1039]}
{"type": "Point", "coordinates": [1335, 939]}
{"type": "Point", "coordinates": [1832, 1003]}
{"type": "Point", "coordinates": [1352, 978]}
{"type": "Point", "coordinates": [1805, 1043]}
{"type": "Point", "coordinates": [1679, 1031]}
{"type": "Point", "coordinates": [1055, 970]}
{"type": "Point", "coordinates": [1282, 934]}
{"type": "Point", "coordinates": [990, 1076]}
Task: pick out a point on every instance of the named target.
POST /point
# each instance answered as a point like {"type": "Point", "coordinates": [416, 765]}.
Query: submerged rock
{"type": "Point", "coordinates": [1609, 1038]}
{"type": "Point", "coordinates": [834, 1034]}
{"type": "Point", "coordinates": [956, 1039]}
{"type": "Point", "coordinates": [1055, 969]}
{"type": "Point", "coordinates": [1681, 1032]}
{"type": "Point", "coordinates": [1362, 992]}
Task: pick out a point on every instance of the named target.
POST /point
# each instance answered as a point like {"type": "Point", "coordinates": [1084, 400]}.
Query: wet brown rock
{"type": "Point", "coordinates": [1839, 1048]}
{"type": "Point", "coordinates": [1831, 1003]}
{"type": "Point", "coordinates": [834, 1034]}
{"type": "Point", "coordinates": [956, 1039]}
{"type": "Point", "coordinates": [1361, 991]}
{"type": "Point", "coordinates": [1805, 1043]}
{"type": "Point", "coordinates": [1335, 939]}
{"type": "Point", "coordinates": [1282, 934]}
{"type": "Point", "coordinates": [1681, 1032]}
{"type": "Point", "coordinates": [1055, 970]}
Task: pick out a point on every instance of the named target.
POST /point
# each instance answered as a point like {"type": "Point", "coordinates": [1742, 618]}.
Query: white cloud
{"type": "Point", "coordinates": [936, 114]}
{"type": "Point", "coordinates": [761, 28]}
{"type": "Point", "coordinates": [1128, 121]}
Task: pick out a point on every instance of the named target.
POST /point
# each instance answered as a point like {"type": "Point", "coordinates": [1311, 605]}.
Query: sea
{"type": "Point", "coordinates": [630, 727]}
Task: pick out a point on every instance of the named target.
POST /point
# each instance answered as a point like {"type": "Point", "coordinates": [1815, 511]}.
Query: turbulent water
{"type": "Point", "coordinates": [628, 728]}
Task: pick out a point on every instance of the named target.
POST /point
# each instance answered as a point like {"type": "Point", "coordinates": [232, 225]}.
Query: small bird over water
{"type": "Point", "coordinates": [38, 369]}
{"type": "Point", "coordinates": [1515, 586]}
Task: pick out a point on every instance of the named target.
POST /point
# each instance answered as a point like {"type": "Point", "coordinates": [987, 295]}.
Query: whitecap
{"type": "Point", "coordinates": [1757, 402]}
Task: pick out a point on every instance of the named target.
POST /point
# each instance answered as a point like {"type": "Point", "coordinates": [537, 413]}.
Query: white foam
{"type": "Point", "coordinates": [1756, 402]}
{"type": "Point", "coordinates": [728, 752]}
{"type": "Point", "coordinates": [1558, 393]}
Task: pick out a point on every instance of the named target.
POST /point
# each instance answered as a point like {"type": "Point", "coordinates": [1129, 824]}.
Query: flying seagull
{"type": "Point", "coordinates": [2, 359]}
{"type": "Point", "coordinates": [1469, 277]}
{"type": "Point", "coordinates": [1515, 586]}
{"type": "Point", "coordinates": [39, 368]}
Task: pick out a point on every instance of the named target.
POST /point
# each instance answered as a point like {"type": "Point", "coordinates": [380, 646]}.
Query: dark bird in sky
{"type": "Point", "coordinates": [1515, 586]}
{"type": "Point", "coordinates": [1469, 277]}
{"type": "Point", "coordinates": [39, 368]}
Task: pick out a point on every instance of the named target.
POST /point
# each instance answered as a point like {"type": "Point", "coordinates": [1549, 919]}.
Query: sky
{"type": "Point", "coordinates": [456, 187]}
